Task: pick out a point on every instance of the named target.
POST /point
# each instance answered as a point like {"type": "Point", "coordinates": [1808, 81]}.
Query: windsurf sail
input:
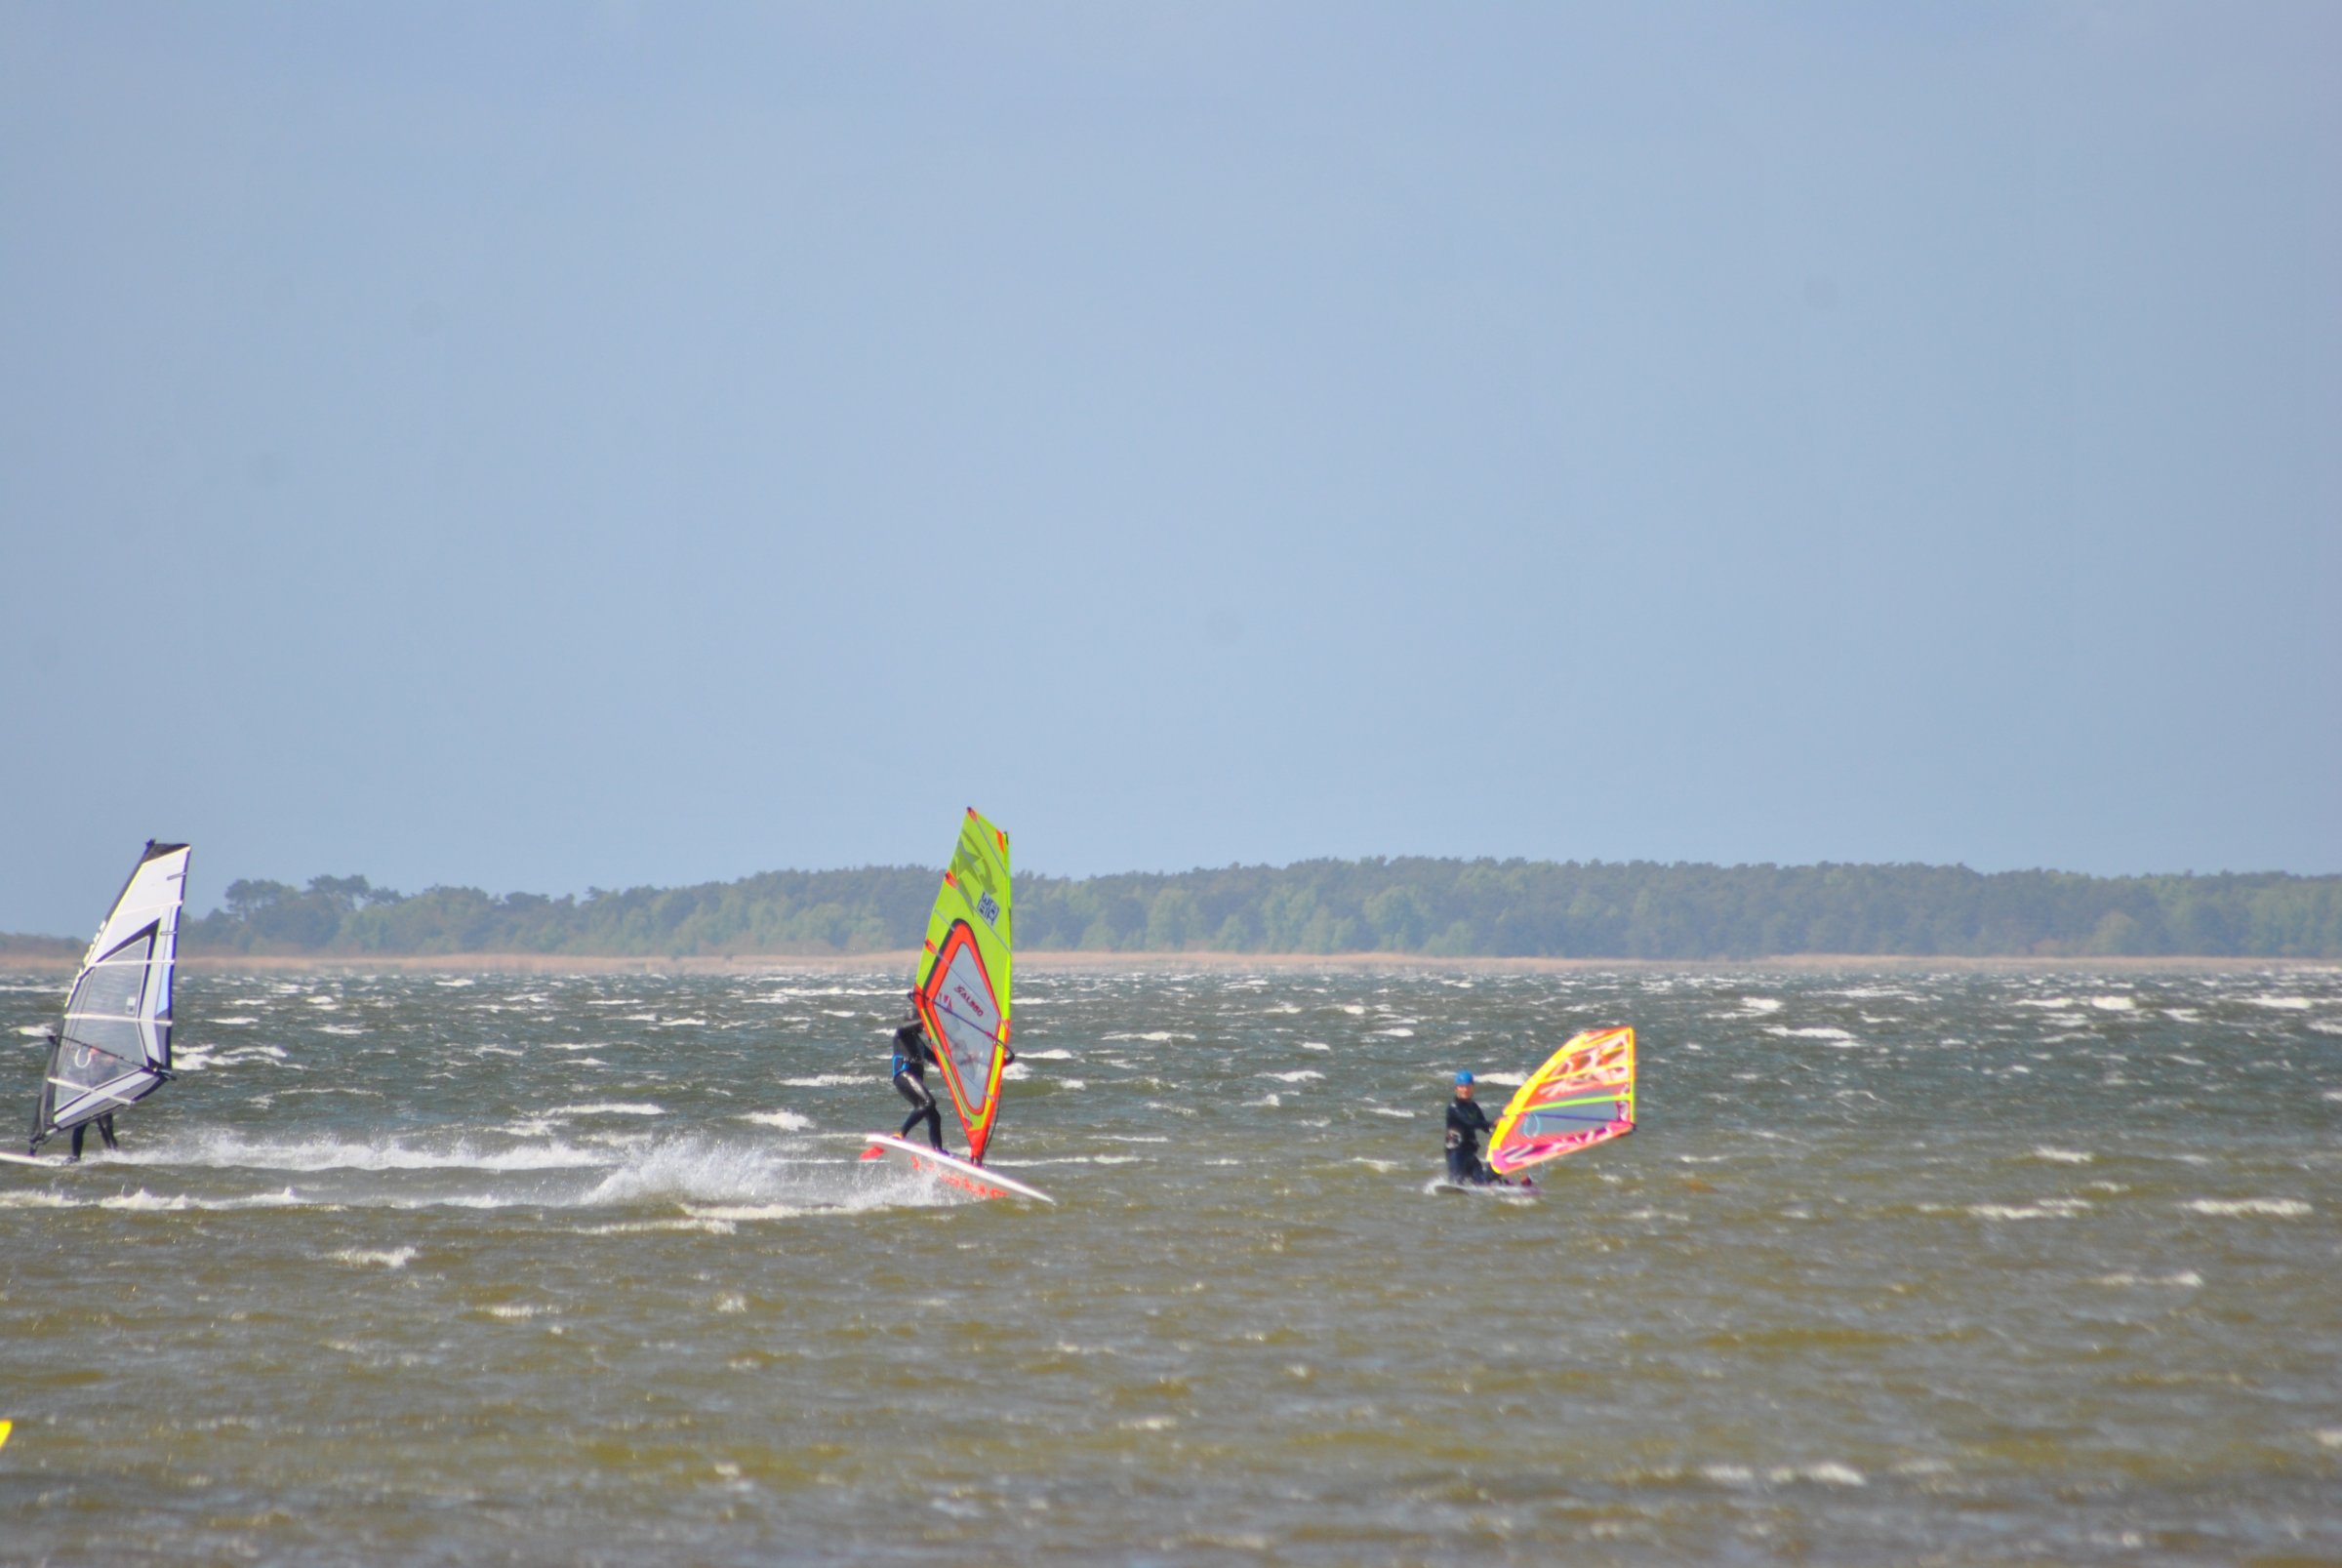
{"type": "Point", "coordinates": [114, 1046]}
{"type": "Point", "coordinates": [1582, 1096]}
{"type": "Point", "coordinates": [963, 977]}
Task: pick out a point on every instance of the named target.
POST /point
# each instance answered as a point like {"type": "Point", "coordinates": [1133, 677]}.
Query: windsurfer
{"type": "Point", "coordinates": [1466, 1123]}
{"type": "Point", "coordinates": [913, 1053]}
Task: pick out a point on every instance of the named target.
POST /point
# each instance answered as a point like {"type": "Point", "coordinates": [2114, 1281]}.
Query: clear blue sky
{"type": "Point", "coordinates": [549, 446]}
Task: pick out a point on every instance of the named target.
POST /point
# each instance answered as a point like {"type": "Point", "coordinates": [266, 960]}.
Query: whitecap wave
{"type": "Point", "coordinates": [2240, 1208]}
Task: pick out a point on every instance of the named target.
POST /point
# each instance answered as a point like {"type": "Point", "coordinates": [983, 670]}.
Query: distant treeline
{"type": "Point", "coordinates": [1493, 908]}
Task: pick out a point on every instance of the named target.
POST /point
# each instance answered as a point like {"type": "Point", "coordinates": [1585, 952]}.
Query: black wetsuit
{"type": "Point", "coordinates": [1466, 1122]}
{"type": "Point", "coordinates": [105, 1131]}
{"type": "Point", "coordinates": [913, 1053]}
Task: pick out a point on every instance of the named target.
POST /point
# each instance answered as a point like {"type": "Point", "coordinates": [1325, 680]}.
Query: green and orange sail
{"type": "Point", "coordinates": [964, 976]}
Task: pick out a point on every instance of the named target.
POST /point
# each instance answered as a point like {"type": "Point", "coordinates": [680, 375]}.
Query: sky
{"type": "Point", "coordinates": [553, 446]}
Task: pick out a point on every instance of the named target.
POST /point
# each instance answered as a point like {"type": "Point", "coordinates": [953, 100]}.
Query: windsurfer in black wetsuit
{"type": "Point", "coordinates": [913, 1053]}
{"type": "Point", "coordinates": [1466, 1123]}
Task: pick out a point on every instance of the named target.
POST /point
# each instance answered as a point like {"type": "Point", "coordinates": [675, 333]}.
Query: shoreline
{"type": "Point", "coordinates": [1077, 961]}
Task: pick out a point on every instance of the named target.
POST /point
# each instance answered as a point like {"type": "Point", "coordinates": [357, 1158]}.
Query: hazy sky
{"type": "Point", "coordinates": [546, 446]}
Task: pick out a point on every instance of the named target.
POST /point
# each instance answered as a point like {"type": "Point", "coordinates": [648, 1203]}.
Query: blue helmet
{"type": "Point", "coordinates": [1463, 1077]}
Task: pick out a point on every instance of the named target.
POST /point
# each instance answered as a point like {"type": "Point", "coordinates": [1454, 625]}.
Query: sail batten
{"type": "Point", "coordinates": [1583, 1094]}
{"type": "Point", "coordinates": [963, 990]}
{"type": "Point", "coordinates": [113, 1046]}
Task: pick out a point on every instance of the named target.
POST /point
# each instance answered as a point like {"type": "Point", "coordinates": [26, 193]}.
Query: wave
{"type": "Point", "coordinates": [229, 1150]}
{"type": "Point", "coordinates": [788, 1121]}
{"type": "Point", "coordinates": [2237, 1208]}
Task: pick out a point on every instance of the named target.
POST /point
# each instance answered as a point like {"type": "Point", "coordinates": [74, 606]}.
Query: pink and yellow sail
{"type": "Point", "coordinates": [1582, 1096]}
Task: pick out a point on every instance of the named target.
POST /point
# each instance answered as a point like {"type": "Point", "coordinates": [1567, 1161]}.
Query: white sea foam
{"type": "Point", "coordinates": [609, 1108]}
{"type": "Point", "coordinates": [1315, 1045]}
{"type": "Point", "coordinates": [1508, 1080]}
{"type": "Point", "coordinates": [145, 1202]}
{"type": "Point", "coordinates": [2290, 1004]}
{"type": "Point", "coordinates": [1815, 1032]}
{"type": "Point", "coordinates": [1155, 1037]}
{"type": "Point", "coordinates": [34, 1031]}
{"type": "Point", "coordinates": [1760, 1004]}
{"type": "Point", "coordinates": [1301, 1075]}
{"type": "Point", "coordinates": [1053, 1053]}
{"type": "Point", "coordinates": [2237, 1208]}
{"type": "Point", "coordinates": [788, 1121]}
{"type": "Point", "coordinates": [2045, 1001]}
{"type": "Point", "coordinates": [1396, 1033]}
{"type": "Point", "coordinates": [2046, 1209]}
{"type": "Point", "coordinates": [2183, 1279]}
{"type": "Point", "coordinates": [827, 1080]}
{"type": "Point", "coordinates": [361, 1258]}
{"type": "Point", "coordinates": [515, 1311]}
{"type": "Point", "coordinates": [229, 1150]}
{"type": "Point", "coordinates": [2114, 1004]}
{"type": "Point", "coordinates": [2063, 1156]}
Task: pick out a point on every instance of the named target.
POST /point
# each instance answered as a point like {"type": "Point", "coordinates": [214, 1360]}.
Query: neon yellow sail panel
{"type": "Point", "coordinates": [1582, 1096]}
{"type": "Point", "coordinates": [963, 977]}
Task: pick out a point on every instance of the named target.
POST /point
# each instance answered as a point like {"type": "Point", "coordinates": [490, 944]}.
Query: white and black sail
{"type": "Point", "coordinates": [114, 1045]}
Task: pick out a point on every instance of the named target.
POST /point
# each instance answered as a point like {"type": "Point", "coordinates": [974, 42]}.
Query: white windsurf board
{"type": "Point", "coordinates": [978, 1181]}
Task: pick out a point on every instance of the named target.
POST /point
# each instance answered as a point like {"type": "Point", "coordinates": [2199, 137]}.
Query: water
{"type": "Point", "coordinates": [1967, 1268]}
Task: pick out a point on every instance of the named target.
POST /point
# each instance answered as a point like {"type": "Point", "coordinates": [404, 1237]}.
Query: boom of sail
{"type": "Point", "coordinates": [114, 1045]}
{"type": "Point", "coordinates": [965, 974]}
{"type": "Point", "coordinates": [1582, 1096]}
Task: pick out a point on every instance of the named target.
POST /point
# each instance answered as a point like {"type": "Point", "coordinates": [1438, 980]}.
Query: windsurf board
{"type": "Point", "coordinates": [1523, 1193]}
{"type": "Point", "coordinates": [950, 1169]}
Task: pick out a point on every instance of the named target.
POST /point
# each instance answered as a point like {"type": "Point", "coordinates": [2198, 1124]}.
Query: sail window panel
{"type": "Point", "coordinates": [97, 1051]}
{"type": "Point", "coordinates": [971, 1052]}
{"type": "Point", "coordinates": [1553, 1123]}
{"type": "Point", "coordinates": [115, 984]}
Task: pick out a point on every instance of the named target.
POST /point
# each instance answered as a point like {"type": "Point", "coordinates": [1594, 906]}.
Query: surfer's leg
{"type": "Point", "coordinates": [105, 1130]}
{"type": "Point", "coordinates": [922, 1110]}
{"type": "Point", "coordinates": [80, 1130]}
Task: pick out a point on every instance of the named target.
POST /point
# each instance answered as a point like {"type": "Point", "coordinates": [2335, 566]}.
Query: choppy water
{"type": "Point", "coordinates": [1972, 1268]}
